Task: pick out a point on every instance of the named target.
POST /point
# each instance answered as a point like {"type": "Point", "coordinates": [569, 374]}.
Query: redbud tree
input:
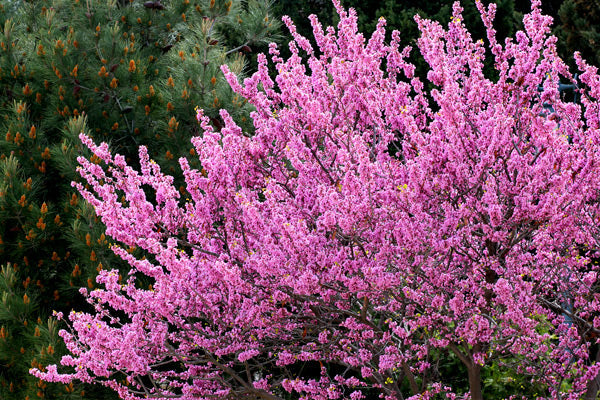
{"type": "Point", "coordinates": [366, 230]}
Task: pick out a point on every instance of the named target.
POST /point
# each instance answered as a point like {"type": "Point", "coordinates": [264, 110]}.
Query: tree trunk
{"type": "Point", "coordinates": [474, 371]}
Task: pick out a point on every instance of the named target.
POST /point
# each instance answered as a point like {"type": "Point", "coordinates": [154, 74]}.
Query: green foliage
{"type": "Point", "coordinates": [579, 30]}
{"type": "Point", "coordinates": [127, 72]}
{"type": "Point", "coordinates": [502, 383]}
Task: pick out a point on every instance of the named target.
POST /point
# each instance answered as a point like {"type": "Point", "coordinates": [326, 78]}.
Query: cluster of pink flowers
{"type": "Point", "coordinates": [366, 224]}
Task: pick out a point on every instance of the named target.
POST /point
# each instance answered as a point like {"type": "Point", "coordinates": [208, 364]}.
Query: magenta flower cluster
{"type": "Point", "coordinates": [368, 224]}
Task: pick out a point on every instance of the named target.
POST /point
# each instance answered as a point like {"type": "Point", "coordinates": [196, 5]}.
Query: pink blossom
{"type": "Point", "coordinates": [366, 226]}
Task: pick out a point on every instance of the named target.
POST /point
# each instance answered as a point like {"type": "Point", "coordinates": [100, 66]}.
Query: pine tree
{"type": "Point", "coordinates": [129, 73]}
